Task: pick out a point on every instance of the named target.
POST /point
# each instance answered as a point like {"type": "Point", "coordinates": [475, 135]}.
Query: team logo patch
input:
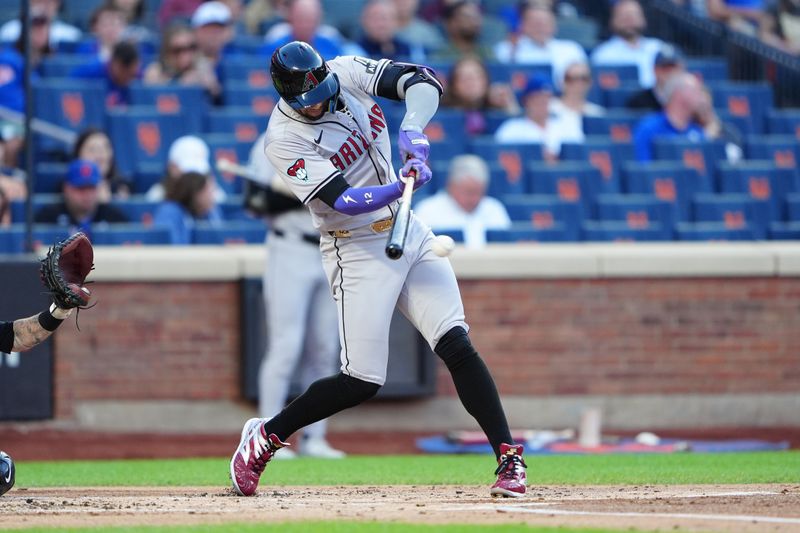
{"type": "Point", "coordinates": [298, 170]}
{"type": "Point", "coordinates": [310, 82]}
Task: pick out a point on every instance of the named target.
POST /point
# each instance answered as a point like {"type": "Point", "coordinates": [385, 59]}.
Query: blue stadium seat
{"type": "Point", "coordinates": [751, 100]}
{"type": "Point", "coordinates": [784, 122]}
{"type": "Point", "coordinates": [512, 158]}
{"type": "Point", "coordinates": [233, 209]}
{"type": "Point", "coordinates": [621, 232]}
{"type": "Point", "coordinates": [142, 134]}
{"type": "Point", "coordinates": [62, 65]}
{"type": "Point", "coordinates": [12, 238]}
{"type": "Point", "coordinates": [763, 181]}
{"type": "Point", "coordinates": [617, 124]}
{"type": "Point", "coordinates": [783, 150]}
{"type": "Point", "coordinates": [231, 233]}
{"type": "Point", "coordinates": [225, 146]}
{"type": "Point", "coordinates": [668, 181]}
{"type": "Point", "coordinates": [130, 235]}
{"type": "Point", "coordinates": [617, 97]}
{"type": "Point", "coordinates": [240, 121]}
{"type": "Point", "coordinates": [570, 181]}
{"type": "Point", "coordinates": [250, 70]}
{"type": "Point", "coordinates": [494, 119]}
{"type": "Point", "coordinates": [517, 75]}
{"type": "Point", "coordinates": [712, 231]}
{"type": "Point", "coordinates": [525, 233]}
{"type": "Point", "coordinates": [734, 211]}
{"type": "Point", "coordinates": [602, 153]}
{"type": "Point", "coordinates": [701, 156]}
{"type": "Point", "coordinates": [784, 231]}
{"type": "Point", "coordinates": [456, 234]}
{"type": "Point", "coordinates": [138, 210]}
{"type": "Point", "coordinates": [19, 208]}
{"type": "Point", "coordinates": [638, 211]}
{"type": "Point", "coordinates": [793, 207]}
{"type": "Point", "coordinates": [542, 212]}
{"type": "Point", "coordinates": [49, 177]}
{"type": "Point", "coordinates": [71, 104]}
{"type": "Point", "coordinates": [610, 77]}
{"type": "Point", "coordinates": [708, 69]}
{"type": "Point", "coordinates": [147, 174]}
{"type": "Point", "coordinates": [182, 102]}
{"type": "Point", "coordinates": [259, 100]}
{"type": "Point", "coordinates": [741, 125]}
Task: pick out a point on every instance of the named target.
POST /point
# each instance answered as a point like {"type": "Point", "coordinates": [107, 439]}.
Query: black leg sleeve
{"type": "Point", "coordinates": [475, 386]}
{"type": "Point", "coordinates": [324, 398]}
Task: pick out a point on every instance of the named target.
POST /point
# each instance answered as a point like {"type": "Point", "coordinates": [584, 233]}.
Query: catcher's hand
{"type": "Point", "coordinates": [64, 270]}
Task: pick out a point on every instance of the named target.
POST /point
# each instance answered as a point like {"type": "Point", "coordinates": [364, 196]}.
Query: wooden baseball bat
{"type": "Point", "coordinates": [397, 237]}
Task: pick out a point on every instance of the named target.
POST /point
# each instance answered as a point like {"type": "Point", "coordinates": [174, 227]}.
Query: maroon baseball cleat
{"type": "Point", "coordinates": [511, 477]}
{"type": "Point", "coordinates": [254, 452]}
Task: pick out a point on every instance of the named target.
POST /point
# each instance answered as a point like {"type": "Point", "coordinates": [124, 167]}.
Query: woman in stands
{"type": "Point", "coordinates": [573, 104]}
{"type": "Point", "coordinates": [179, 61]}
{"type": "Point", "coordinates": [469, 89]}
{"type": "Point", "coordinates": [94, 145]}
{"type": "Point", "coordinates": [189, 199]}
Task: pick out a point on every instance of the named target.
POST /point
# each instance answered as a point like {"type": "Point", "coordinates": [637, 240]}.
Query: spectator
{"type": "Point", "coordinates": [469, 89]}
{"type": "Point", "coordinates": [136, 29]}
{"type": "Point", "coordinates": [81, 207]}
{"type": "Point", "coordinates": [108, 25]}
{"type": "Point", "coordinates": [463, 205]}
{"type": "Point", "coordinates": [628, 46]}
{"type": "Point", "coordinates": [415, 30]}
{"type": "Point", "coordinates": [538, 126]}
{"type": "Point", "coordinates": [668, 62]}
{"type": "Point", "coordinates": [12, 186]}
{"type": "Point", "coordinates": [171, 11]}
{"type": "Point", "coordinates": [536, 44]}
{"type": "Point", "coordinates": [573, 105]}
{"type": "Point", "coordinates": [179, 62]}
{"type": "Point", "coordinates": [94, 145]}
{"type": "Point", "coordinates": [741, 15]}
{"type": "Point", "coordinates": [186, 154]}
{"type": "Point", "coordinates": [463, 25]}
{"type": "Point", "coordinates": [189, 199]}
{"type": "Point", "coordinates": [780, 25]}
{"type": "Point", "coordinates": [716, 130]}
{"type": "Point", "coordinates": [684, 97]}
{"type": "Point", "coordinates": [10, 145]}
{"type": "Point", "coordinates": [58, 31]}
{"type": "Point", "coordinates": [213, 31]}
{"type": "Point", "coordinates": [12, 62]}
{"type": "Point", "coordinates": [304, 18]}
{"type": "Point", "coordinates": [260, 13]}
{"type": "Point", "coordinates": [118, 74]}
{"type": "Point", "coordinates": [379, 22]}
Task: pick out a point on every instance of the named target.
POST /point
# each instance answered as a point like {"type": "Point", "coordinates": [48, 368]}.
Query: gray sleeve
{"type": "Point", "coordinates": [422, 101]}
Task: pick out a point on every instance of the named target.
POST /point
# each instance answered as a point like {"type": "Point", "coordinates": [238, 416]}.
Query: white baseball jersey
{"type": "Point", "coordinates": [354, 141]}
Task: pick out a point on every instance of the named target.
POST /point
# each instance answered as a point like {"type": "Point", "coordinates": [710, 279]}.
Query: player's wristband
{"type": "Point", "coordinates": [53, 317]}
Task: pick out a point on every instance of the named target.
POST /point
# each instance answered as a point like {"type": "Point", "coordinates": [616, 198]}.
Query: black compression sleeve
{"type": "Point", "coordinates": [333, 190]}
{"type": "Point", "coordinates": [6, 337]}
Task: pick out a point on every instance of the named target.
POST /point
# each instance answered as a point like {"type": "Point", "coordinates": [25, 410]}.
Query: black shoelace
{"type": "Point", "coordinates": [508, 466]}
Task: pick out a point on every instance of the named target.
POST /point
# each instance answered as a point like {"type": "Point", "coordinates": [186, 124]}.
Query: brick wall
{"type": "Point", "coordinates": [151, 341]}
{"type": "Point", "coordinates": [540, 337]}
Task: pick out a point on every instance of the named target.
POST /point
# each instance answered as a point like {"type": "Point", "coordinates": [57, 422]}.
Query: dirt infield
{"type": "Point", "coordinates": [707, 508]}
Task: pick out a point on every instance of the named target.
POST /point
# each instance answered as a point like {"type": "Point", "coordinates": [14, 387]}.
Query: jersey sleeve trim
{"type": "Point", "coordinates": [313, 194]}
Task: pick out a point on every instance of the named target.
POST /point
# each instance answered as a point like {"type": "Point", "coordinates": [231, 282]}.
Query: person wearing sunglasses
{"type": "Point", "coordinates": [573, 105]}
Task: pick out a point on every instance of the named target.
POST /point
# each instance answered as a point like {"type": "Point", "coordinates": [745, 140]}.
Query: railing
{"type": "Point", "coordinates": [748, 58]}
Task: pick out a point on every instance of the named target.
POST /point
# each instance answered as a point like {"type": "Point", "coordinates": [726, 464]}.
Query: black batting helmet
{"type": "Point", "coordinates": [6, 473]}
{"type": "Point", "coordinates": [301, 76]}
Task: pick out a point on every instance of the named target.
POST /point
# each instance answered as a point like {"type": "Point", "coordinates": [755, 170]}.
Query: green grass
{"type": "Point", "coordinates": [328, 527]}
{"type": "Point", "coordinates": [732, 468]}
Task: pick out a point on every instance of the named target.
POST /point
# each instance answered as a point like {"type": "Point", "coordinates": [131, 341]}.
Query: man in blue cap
{"type": "Point", "coordinates": [80, 207]}
{"type": "Point", "coordinates": [538, 125]}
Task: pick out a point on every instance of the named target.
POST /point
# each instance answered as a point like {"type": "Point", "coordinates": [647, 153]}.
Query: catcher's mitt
{"type": "Point", "coordinates": [64, 269]}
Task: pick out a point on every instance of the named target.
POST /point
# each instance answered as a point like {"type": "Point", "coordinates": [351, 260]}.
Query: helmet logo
{"type": "Point", "coordinates": [298, 170]}
{"type": "Point", "coordinates": [310, 81]}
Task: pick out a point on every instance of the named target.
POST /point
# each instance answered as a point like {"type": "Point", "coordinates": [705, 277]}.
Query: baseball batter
{"type": "Point", "coordinates": [301, 315]}
{"type": "Point", "coordinates": [328, 140]}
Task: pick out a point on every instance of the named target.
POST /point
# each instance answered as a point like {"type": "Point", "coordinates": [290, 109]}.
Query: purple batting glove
{"type": "Point", "coordinates": [414, 145]}
{"type": "Point", "coordinates": [423, 173]}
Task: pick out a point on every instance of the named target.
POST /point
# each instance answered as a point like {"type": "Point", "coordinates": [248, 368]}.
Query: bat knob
{"type": "Point", "coordinates": [394, 252]}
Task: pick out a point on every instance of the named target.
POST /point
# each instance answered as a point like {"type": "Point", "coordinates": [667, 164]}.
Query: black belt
{"type": "Point", "coordinates": [307, 237]}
